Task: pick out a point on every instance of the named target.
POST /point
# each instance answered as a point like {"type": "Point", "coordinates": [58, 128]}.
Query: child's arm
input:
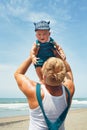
{"type": "Point", "coordinates": [60, 51]}
{"type": "Point", "coordinates": [33, 53]}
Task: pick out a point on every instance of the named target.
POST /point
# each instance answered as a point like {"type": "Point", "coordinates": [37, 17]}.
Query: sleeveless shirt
{"type": "Point", "coordinates": [53, 107]}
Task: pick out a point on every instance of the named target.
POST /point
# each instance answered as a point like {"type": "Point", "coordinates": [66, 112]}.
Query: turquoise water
{"type": "Point", "coordinates": [13, 107]}
{"type": "Point", "coordinates": [19, 106]}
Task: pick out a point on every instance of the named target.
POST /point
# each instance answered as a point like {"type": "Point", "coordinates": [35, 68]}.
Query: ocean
{"type": "Point", "coordinates": [18, 106]}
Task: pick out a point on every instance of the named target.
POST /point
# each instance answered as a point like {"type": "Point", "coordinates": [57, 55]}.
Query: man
{"type": "Point", "coordinates": [53, 92]}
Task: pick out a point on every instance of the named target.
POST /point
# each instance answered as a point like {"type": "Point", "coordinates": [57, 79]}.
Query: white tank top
{"type": "Point", "coordinates": [53, 107]}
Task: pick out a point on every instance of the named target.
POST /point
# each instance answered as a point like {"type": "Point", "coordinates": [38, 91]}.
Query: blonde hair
{"type": "Point", "coordinates": [54, 71]}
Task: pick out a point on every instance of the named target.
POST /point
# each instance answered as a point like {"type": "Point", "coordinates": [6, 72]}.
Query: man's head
{"type": "Point", "coordinates": [54, 71]}
{"type": "Point", "coordinates": [42, 31]}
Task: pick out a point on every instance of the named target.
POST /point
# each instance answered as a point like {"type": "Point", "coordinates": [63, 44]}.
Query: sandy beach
{"type": "Point", "coordinates": [76, 120]}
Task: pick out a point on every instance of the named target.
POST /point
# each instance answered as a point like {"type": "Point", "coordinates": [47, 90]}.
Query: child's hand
{"type": "Point", "coordinates": [35, 60]}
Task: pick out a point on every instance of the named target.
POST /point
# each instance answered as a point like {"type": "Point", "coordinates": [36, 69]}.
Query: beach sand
{"type": "Point", "coordinates": [76, 120]}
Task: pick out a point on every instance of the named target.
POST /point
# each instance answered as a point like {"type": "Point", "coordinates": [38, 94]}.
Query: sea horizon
{"type": "Point", "coordinates": [10, 107]}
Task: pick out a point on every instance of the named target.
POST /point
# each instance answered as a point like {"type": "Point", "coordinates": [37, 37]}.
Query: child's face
{"type": "Point", "coordinates": [43, 35]}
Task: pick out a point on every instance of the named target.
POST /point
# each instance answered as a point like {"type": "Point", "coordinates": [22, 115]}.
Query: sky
{"type": "Point", "coordinates": [68, 23]}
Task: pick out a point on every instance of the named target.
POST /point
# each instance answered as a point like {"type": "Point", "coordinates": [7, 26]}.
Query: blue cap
{"type": "Point", "coordinates": [42, 25]}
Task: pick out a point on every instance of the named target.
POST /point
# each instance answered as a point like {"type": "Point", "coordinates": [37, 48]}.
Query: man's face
{"type": "Point", "coordinates": [43, 35]}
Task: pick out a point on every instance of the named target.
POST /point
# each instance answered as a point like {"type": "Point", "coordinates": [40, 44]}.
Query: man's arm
{"type": "Point", "coordinates": [68, 80]}
{"type": "Point", "coordinates": [69, 71]}
{"type": "Point", "coordinates": [23, 82]}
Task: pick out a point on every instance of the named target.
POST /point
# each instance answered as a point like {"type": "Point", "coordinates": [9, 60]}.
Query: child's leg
{"type": "Point", "coordinates": [39, 73]}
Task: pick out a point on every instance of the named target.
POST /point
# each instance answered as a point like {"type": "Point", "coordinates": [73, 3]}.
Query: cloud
{"type": "Point", "coordinates": [21, 10]}
{"type": "Point", "coordinates": [24, 10]}
{"type": "Point", "coordinates": [7, 67]}
{"type": "Point", "coordinates": [12, 8]}
{"type": "Point", "coordinates": [15, 11]}
{"type": "Point", "coordinates": [33, 16]}
{"type": "Point", "coordinates": [61, 9]}
{"type": "Point", "coordinates": [27, 11]}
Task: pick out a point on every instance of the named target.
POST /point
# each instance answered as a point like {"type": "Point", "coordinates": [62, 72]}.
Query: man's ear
{"type": "Point", "coordinates": [44, 78]}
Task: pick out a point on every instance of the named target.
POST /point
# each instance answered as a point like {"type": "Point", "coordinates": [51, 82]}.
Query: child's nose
{"type": "Point", "coordinates": [42, 36]}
